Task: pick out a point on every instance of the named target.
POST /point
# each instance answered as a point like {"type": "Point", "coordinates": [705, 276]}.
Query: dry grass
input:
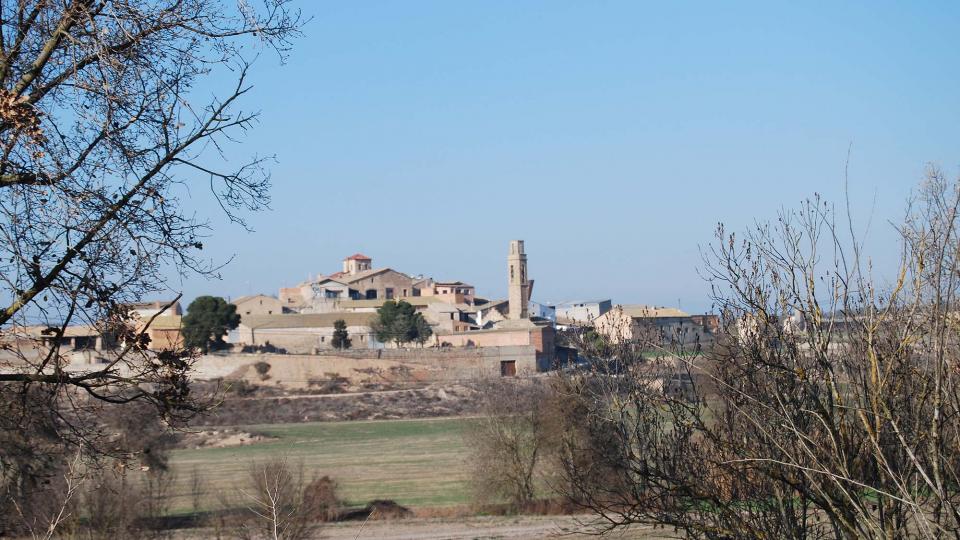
{"type": "Point", "coordinates": [418, 463]}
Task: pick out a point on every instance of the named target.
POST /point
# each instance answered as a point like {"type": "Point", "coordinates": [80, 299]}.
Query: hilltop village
{"type": "Point", "coordinates": [517, 334]}
{"type": "Point", "coordinates": [300, 319]}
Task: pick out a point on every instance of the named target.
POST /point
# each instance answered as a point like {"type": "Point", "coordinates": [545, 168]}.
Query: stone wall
{"type": "Point", "coordinates": [425, 365]}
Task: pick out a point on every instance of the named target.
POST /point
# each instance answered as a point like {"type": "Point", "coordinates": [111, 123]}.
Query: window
{"type": "Point", "coordinates": [389, 294]}
{"type": "Point", "coordinates": [404, 293]}
{"type": "Point", "coordinates": [508, 368]}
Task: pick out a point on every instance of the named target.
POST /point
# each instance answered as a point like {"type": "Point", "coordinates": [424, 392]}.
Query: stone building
{"type": "Point", "coordinates": [511, 332]}
{"type": "Point", "coordinates": [300, 333]}
{"type": "Point", "coordinates": [258, 304]}
{"type": "Point", "coordinates": [492, 312]}
{"type": "Point", "coordinates": [166, 333]}
{"type": "Point", "coordinates": [625, 323]}
{"type": "Point", "coordinates": [581, 312]}
{"type": "Point", "coordinates": [383, 283]}
{"type": "Point", "coordinates": [79, 337]}
{"type": "Point", "coordinates": [539, 310]}
{"type": "Point", "coordinates": [451, 292]}
{"type": "Point", "coordinates": [359, 280]}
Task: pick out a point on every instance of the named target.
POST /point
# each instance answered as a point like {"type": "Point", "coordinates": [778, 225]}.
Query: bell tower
{"type": "Point", "coordinates": [519, 287]}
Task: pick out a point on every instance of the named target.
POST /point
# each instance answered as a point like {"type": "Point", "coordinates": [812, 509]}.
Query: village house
{"type": "Point", "coordinates": [383, 283]}
{"type": "Point", "coordinates": [452, 292]}
{"type": "Point", "coordinates": [359, 280]}
{"type": "Point", "coordinates": [161, 321]}
{"type": "Point", "coordinates": [540, 334]}
{"type": "Point", "coordinates": [258, 304]}
{"type": "Point", "coordinates": [542, 311]}
{"type": "Point", "coordinates": [165, 333]}
{"type": "Point", "coordinates": [78, 337]}
{"type": "Point", "coordinates": [630, 322]}
{"type": "Point", "coordinates": [300, 333]}
{"type": "Point", "coordinates": [492, 312]}
{"type": "Point", "coordinates": [581, 312]}
{"type": "Point", "coordinates": [451, 317]}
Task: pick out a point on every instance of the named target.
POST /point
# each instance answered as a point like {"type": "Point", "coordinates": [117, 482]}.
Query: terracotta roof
{"type": "Point", "coordinates": [365, 274]}
{"type": "Point", "coordinates": [358, 257]}
{"type": "Point", "coordinates": [305, 320]}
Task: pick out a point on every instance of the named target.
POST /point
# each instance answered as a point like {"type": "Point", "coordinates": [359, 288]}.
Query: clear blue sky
{"type": "Point", "coordinates": [611, 136]}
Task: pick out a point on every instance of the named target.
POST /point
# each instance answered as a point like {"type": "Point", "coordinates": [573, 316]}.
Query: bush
{"type": "Point", "coordinates": [262, 369]}
{"type": "Point", "coordinates": [320, 497]}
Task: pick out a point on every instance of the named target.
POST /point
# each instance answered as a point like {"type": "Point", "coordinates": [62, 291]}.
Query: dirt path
{"type": "Point", "coordinates": [516, 528]}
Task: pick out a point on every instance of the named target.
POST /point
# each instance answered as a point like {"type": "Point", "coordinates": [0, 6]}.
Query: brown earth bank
{"type": "Point", "coordinates": [270, 405]}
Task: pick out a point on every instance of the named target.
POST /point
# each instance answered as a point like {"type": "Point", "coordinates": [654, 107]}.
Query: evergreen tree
{"type": "Point", "coordinates": [423, 330]}
{"type": "Point", "coordinates": [208, 319]}
{"type": "Point", "coordinates": [341, 339]}
{"type": "Point", "coordinates": [400, 323]}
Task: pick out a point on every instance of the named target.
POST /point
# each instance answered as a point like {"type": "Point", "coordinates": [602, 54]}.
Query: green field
{"type": "Point", "coordinates": [414, 462]}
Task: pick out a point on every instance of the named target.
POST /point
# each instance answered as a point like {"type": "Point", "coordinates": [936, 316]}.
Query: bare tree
{"type": "Point", "coordinates": [105, 129]}
{"type": "Point", "coordinates": [828, 409]}
{"type": "Point", "coordinates": [43, 521]}
{"type": "Point", "coordinates": [509, 443]}
{"type": "Point", "coordinates": [280, 503]}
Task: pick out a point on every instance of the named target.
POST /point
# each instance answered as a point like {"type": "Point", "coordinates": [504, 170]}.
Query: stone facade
{"type": "Point", "coordinates": [542, 337]}
{"type": "Point", "coordinates": [386, 284]}
{"type": "Point", "coordinates": [414, 365]}
{"type": "Point", "coordinates": [625, 323]}
{"type": "Point", "coordinates": [258, 304]}
{"type": "Point", "coordinates": [452, 292]}
{"type": "Point", "coordinates": [304, 333]}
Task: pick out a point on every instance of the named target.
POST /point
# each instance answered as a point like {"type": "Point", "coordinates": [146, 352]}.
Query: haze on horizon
{"type": "Point", "coordinates": [610, 137]}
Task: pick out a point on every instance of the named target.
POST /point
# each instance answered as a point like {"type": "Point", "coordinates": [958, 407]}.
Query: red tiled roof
{"type": "Point", "coordinates": [358, 257]}
{"type": "Point", "coordinates": [334, 275]}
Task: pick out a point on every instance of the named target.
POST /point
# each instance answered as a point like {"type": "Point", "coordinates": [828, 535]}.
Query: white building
{"type": "Point", "coordinates": [543, 311]}
{"type": "Point", "coordinates": [581, 311]}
